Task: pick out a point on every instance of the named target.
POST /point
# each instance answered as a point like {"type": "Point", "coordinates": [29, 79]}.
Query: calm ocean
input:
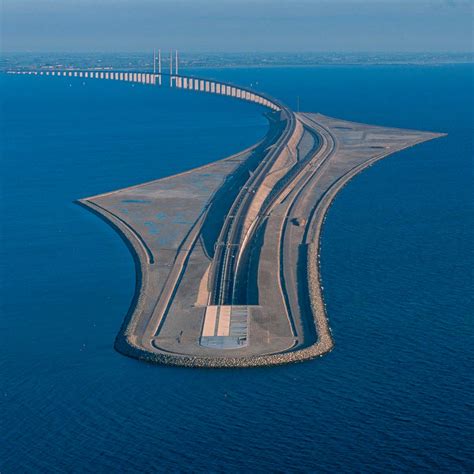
{"type": "Point", "coordinates": [396, 394]}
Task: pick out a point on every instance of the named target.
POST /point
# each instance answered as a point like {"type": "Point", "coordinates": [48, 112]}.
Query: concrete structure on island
{"type": "Point", "coordinates": [227, 255]}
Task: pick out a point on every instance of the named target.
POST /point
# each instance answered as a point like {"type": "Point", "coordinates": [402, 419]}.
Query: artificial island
{"type": "Point", "coordinates": [227, 255]}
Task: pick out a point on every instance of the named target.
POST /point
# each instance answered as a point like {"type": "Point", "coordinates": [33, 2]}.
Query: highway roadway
{"type": "Point", "coordinates": [293, 265]}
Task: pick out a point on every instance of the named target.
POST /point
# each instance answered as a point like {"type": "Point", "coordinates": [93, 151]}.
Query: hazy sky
{"type": "Point", "coordinates": [237, 25]}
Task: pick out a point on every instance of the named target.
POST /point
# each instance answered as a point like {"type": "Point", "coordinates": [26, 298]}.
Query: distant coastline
{"type": "Point", "coordinates": [143, 60]}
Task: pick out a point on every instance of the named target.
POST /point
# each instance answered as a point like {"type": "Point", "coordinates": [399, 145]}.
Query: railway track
{"type": "Point", "coordinates": [229, 243]}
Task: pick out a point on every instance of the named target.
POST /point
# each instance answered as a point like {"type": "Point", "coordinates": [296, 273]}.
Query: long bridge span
{"type": "Point", "coordinates": [191, 83]}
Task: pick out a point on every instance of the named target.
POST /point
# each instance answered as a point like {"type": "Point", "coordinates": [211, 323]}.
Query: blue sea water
{"type": "Point", "coordinates": [395, 395]}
